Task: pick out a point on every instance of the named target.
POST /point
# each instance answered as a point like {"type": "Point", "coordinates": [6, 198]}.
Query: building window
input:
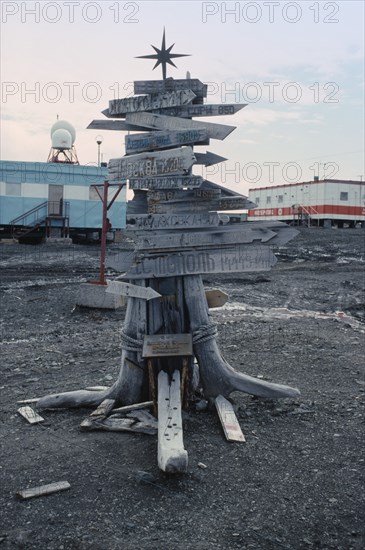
{"type": "Point", "coordinates": [268, 200]}
{"type": "Point", "coordinates": [280, 198]}
{"type": "Point", "coordinates": [13, 189]}
{"type": "Point", "coordinates": [344, 196]}
{"type": "Point", "coordinates": [93, 194]}
{"type": "Point", "coordinates": [257, 200]}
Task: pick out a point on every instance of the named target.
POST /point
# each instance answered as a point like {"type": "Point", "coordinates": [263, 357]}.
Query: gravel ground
{"type": "Point", "coordinates": [297, 482]}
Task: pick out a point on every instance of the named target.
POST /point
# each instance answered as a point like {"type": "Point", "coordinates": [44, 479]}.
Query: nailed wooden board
{"type": "Point", "coordinates": [134, 407]}
{"type": "Point", "coordinates": [223, 203]}
{"type": "Point", "coordinates": [227, 416]}
{"type": "Point", "coordinates": [216, 298]}
{"type": "Point", "coordinates": [164, 139]}
{"type": "Point", "coordinates": [104, 408]}
{"type": "Point", "coordinates": [173, 221]}
{"type": "Point", "coordinates": [192, 110]}
{"type": "Point", "coordinates": [208, 158]}
{"type": "Point", "coordinates": [29, 414]}
{"type": "Point", "coordinates": [43, 490]}
{"type": "Point", "coordinates": [118, 425]}
{"type": "Point", "coordinates": [170, 85]}
{"type": "Point", "coordinates": [167, 345]}
{"type": "Point", "coordinates": [172, 195]}
{"type": "Point", "coordinates": [172, 457]}
{"type": "Point", "coordinates": [170, 162]}
{"type": "Point", "coordinates": [151, 101]}
{"type": "Point", "coordinates": [162, 122]}
{"type": "Point", "coordinates": [115, 125]}
{"type": "Point", "coordinates": [172, 182]}
{"type": "Point", "coordinates": [231, 259]}
{"type": "Point", "coordinates": [128, 289]}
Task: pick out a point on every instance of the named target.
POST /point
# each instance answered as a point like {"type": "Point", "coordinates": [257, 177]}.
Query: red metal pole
{"type": "Point", "coordinates": [103, 234]}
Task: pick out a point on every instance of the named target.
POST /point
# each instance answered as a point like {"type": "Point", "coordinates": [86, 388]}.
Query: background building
{"type": "Point", "coordinates": [318, 202]}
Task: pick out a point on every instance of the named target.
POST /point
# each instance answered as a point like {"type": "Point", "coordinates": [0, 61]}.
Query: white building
{"type": "Point", "coordinates": [311, 202]}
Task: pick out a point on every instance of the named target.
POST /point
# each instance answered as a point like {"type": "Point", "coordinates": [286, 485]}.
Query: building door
{"type": "Point", "coordinates": [55, 200]}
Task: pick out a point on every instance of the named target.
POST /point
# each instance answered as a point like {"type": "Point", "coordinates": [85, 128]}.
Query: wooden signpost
{"type": "Point", "coordinates": [163, 122]}
{"type": "Point", "coordinates": [135, 143]}
{"type": "Point", "coordinates": [149, 102]}
{"type": "Point", "coordinates": [170, 162]}
{"type": "Point", "coordinates": [178, 236]}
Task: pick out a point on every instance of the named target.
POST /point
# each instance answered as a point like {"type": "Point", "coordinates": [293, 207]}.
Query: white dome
{"type": "Point", "coordinates": [61, 139]}
{"type": "Point", "coordinates": [64, 125]}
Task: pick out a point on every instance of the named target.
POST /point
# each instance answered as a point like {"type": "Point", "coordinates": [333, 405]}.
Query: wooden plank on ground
{"type": "Point", "coordinates": [29, 414]}
{"type": "Point", "coordinates": [150, 101]}
{"type": "Point", "coordinates": [97, 388]}
{"type": "Point", "coordinates": [227, 416]}
{"type": "Point", "coordinates": [164, 139]}
{"type": "Point", "coordinates": [119, 425]}
{"type": "Point", "coordinates": [104, 408]}
{"type": "Point", "coordinates": [155, 163]}
{"type": "Point", "coordinates": [43, 490]}
{"type": "Point", "coordinates": [162, 122]}
{"type": "Point", "coordinates": [172, 457]}
{"type": "Point", "coordinates": [134, 407]}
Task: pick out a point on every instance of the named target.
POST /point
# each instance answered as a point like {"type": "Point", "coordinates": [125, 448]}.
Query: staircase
{"type": "Point", "coordinates": [42, 220]}
{"type": "Point", "coordinates": [303, 214]}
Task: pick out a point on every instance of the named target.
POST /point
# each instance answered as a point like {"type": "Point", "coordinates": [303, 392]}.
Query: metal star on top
{"type": "Point", "coordinates": [163, 56]}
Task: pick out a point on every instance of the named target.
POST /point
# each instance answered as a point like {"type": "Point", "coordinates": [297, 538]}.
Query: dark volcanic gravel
{"type": "Point", "coordinates": [297, 482]}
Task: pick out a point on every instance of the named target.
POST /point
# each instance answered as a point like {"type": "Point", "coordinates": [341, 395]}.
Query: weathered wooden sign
{"type": "Point", "coordinates": [216, 298]}
{"type": "Point", "coordinates": [182, 195]}
{"type": "Point", "coordinates": [170, 85]}
{"type": "Point", "coordinates": [127, 289]}
{"type": "Point", "coordinates": [225, 192]}
{"type": "Point", "coordinates": [149, 102]}
{"type": "Point", "coordinates": [170, 162]}
{"type": "Point", "coordinates": [233, 259]}
{"type": "Point", "coordinates": [210, 237]}
{"type": "Point", "coordinates": [173, 182]}
{"type": "Point", "coordinates": [135, 143]}
{"type": "Point", "coordinates": [172, 221]}
{"type": "Point", "coordinates": [223, 203]}
{"type": "Point", "coordinates": [235, 203]}
{"type": "Point", "coordinates": [116, 125]}
{"type": "Point", "coordinates": [167, 345]}
{"type": "Point", "coordinates": [162, 122]}
{"type": "Point", "coordinates": [232, 429]}
{"type": "Point", "coordinates": [208, 158]}
{"type": "Point", "coordinates": [189, 111]}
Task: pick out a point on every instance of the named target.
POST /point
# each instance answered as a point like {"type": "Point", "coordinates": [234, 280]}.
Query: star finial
{"type": "Point", "coordinates": [163, 55]}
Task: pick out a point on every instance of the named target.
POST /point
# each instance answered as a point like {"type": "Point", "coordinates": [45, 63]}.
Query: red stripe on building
{"type": "Point", "coordinates": [318, 209]}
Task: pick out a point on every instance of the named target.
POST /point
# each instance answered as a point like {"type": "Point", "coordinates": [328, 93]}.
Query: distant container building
{"type": "Point", "coordinates": [318, 202]}
{"type": "Point", "coordinates": [54, 199]}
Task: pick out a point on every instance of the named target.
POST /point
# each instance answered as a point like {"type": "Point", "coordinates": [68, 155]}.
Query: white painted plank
{"type": "Point", "coordinates": [128, 289]}
{"type": "Point", "coordinates": [43, 490]}
{"type": "Point", "coordinates": [193, 110]}
{"type": "Point", "coordinates": [29, 414]}
{"type": "Point", "coordinates": [166, 182]}
{"type": "Point", "coordinates": [172, 457]}
{"type": "Point", "coordinates": [173, 221]}
{"type": "Point", "coordinates": [164, 139]}
{"type": "Point", "coordinates": [227, 416]}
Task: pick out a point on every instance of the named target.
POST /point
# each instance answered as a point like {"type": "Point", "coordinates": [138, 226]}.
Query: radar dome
{"type": "Point", "coordinates": [61, 139]}
{"type": "Point", "coordinates": [64, 125]}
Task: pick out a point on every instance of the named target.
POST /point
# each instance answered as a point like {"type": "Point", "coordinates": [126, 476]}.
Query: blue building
{"type": "Point", "coordinates": [55, 199]}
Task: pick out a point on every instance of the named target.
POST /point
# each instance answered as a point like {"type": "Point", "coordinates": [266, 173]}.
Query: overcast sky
{"type": "Point", "coordinates": [298, 66]}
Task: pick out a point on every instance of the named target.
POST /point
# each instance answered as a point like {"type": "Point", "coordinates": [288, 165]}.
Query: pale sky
{"type": "Point", "coordinates": [298, 66]}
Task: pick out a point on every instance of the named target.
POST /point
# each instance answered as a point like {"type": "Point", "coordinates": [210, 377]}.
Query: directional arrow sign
{"type": "Point", "coordinates": [162, 122]}
{"type": "Point", "coordinates": [172, 182]}
{"type": "Point", "coordinates": [136, 143]}
{"type": "Point", "coordinates": [189, 111]}
{"type": "Point", "coordinates": [170, 85]}
{"type": "Point", "coordinates": [208, 158]}
{"type": "Point", "coordinates": [170, 162]}
{"type": "Point", "coordinates": [172, 221]}
{"type": "Point", "coordinates": [128, 289]}
{"type": "Point", "coordinates": [116, 125]}
{"type": "Point", "coordinates": [181, 195]}
{"type": "Point", "coordinates": [148, 102]}
{"type": "Point", "coordinates": [232, 259]}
